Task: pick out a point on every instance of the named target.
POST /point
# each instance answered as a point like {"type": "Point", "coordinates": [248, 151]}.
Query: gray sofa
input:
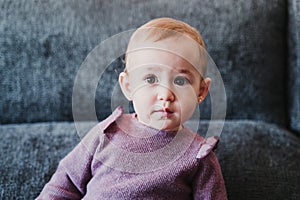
{"type": "Point", "coordinates": [255, 44]}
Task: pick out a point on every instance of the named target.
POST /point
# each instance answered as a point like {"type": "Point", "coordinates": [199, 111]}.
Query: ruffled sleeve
{"type": "Point", "coordinates": [207, 146]}
{"type": "Point", "coordinates": [209, 183]}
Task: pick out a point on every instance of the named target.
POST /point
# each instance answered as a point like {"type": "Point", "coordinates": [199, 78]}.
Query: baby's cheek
{"type": "Point", "coordinates": [145, 95]}
{"type": "Point", "coordinates": [187, 97]}
{"type": "Point", "coordinates": [139, 91]}
{"type": "Point", "coordinates": [188, 108]}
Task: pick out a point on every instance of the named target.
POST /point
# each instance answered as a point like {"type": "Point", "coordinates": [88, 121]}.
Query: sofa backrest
{"type": "Point", "coordinates": [43, 44]}
{"type": "Point", "coordinates": [294, 65]}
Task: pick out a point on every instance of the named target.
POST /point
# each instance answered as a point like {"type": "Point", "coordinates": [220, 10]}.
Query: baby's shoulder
{"type": "Point", "coordinates": [203, 146]}
{"type": "Point", "coordinates": [111, 119]}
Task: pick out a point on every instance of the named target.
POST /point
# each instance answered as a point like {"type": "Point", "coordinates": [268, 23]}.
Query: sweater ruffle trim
{"type": "Point", "coordinates": [208, 145]}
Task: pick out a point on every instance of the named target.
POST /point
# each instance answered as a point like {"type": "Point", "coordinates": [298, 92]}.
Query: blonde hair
{"type": "Point", "coordinates": [168, 27]}
{"type": "Point", "coordinates": [162, 28]}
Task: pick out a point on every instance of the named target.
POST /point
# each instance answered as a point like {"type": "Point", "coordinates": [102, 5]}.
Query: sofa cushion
{"type": "Point", "coordinates": [30, 154]}
{"type": "Point", "coordinates": [43, 43]}
{"type": "Point", "coordinates": [258, 160]}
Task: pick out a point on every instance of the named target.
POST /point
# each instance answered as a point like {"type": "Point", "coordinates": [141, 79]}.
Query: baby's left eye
{"type": "Point", "coordinates": [180, 80]}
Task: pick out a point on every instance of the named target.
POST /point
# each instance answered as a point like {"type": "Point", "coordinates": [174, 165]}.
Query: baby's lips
{"type": "Point", "coordinates": [167, 110]}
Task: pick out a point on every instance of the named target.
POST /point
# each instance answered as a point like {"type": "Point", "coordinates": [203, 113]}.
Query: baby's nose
{"type": "Point", "coordinates": [165, 93]}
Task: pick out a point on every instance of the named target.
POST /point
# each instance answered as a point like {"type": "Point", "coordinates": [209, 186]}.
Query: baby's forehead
{"type": "Point", "coordinates": [171, 51]}
{"type": "Point", "coordinates": [161, 59]}
{"type": "Point", "coordinates": [156, 67]}
{"type": "Point", "coordinates": [160, 64]}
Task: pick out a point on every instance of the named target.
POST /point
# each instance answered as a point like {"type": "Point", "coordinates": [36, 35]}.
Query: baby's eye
{"type": "Point", "coordinates": [151, 79]}
{"type": "Point", "coordinates": [180, 80]}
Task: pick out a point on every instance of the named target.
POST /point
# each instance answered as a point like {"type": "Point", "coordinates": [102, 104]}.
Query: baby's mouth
{"type": "Point", "coordinates": [164, 111]}
{"type": "Point", "coordinates": [167, 110]}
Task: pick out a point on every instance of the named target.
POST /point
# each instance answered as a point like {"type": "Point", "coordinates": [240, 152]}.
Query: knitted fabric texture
{"type": "Point", "coordinates": [87, 172]}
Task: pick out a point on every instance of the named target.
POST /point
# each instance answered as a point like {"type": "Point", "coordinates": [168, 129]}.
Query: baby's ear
{"type": "Point", "coordinates": [124, 84]}
{"type": "Point", "coordinates": [204, 89]}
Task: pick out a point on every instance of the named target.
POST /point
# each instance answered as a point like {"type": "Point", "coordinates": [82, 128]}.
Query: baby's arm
{"type": "Point", "coordinates": [209, 183]}
{"type": "Point", "coordinates": [73, 172]}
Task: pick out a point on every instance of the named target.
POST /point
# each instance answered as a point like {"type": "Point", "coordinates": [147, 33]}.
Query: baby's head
{"type": "Point", "coordinates": [165, 63]}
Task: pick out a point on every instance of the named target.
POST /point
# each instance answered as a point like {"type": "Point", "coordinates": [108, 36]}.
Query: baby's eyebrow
{"type": "Point", "coordinates": [185, 71]}
{"type": "Point", "coordinates": [151, 68]}
{"type": "Point", "coordinates": [191, 75]}
{"type": "Point", "coordinates": [159, 69]}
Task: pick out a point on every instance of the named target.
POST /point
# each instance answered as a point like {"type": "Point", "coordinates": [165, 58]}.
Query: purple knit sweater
{"type": "Point", "coordinates": [122, 159]}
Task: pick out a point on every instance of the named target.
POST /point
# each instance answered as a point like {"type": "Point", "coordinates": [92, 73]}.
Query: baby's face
{"type": "Point", "coordinates": [163, 86]}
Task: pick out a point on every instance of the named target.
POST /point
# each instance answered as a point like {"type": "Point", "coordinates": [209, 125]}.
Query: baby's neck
{"type": "Point", "coordinates": [176, 129]}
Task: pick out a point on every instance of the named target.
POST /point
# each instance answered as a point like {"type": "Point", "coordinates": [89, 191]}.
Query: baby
{"type": "Point", "coordinates": [149, 154]}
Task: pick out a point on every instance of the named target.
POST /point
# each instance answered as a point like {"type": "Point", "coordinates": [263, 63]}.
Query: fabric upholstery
{"type": "Point", "coordinates": [294, 65]}
{"type": "Point", "coordinates": [258, 160]}
{"type": "Point", "coordinates": [43, 43]}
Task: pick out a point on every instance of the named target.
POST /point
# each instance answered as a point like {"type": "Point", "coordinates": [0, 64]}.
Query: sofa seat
{"type": "Point", "coordinates": [259, 160]}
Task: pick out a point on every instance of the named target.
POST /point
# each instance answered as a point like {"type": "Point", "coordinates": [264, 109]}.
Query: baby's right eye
{"type": "Point", "coordinates": [151, 79]}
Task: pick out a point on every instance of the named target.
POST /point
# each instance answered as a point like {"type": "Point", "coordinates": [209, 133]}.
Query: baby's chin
{"type": "Point", "coordinates": [164, 125]}
{"type": "Point", "coordinates": [177, 128]}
